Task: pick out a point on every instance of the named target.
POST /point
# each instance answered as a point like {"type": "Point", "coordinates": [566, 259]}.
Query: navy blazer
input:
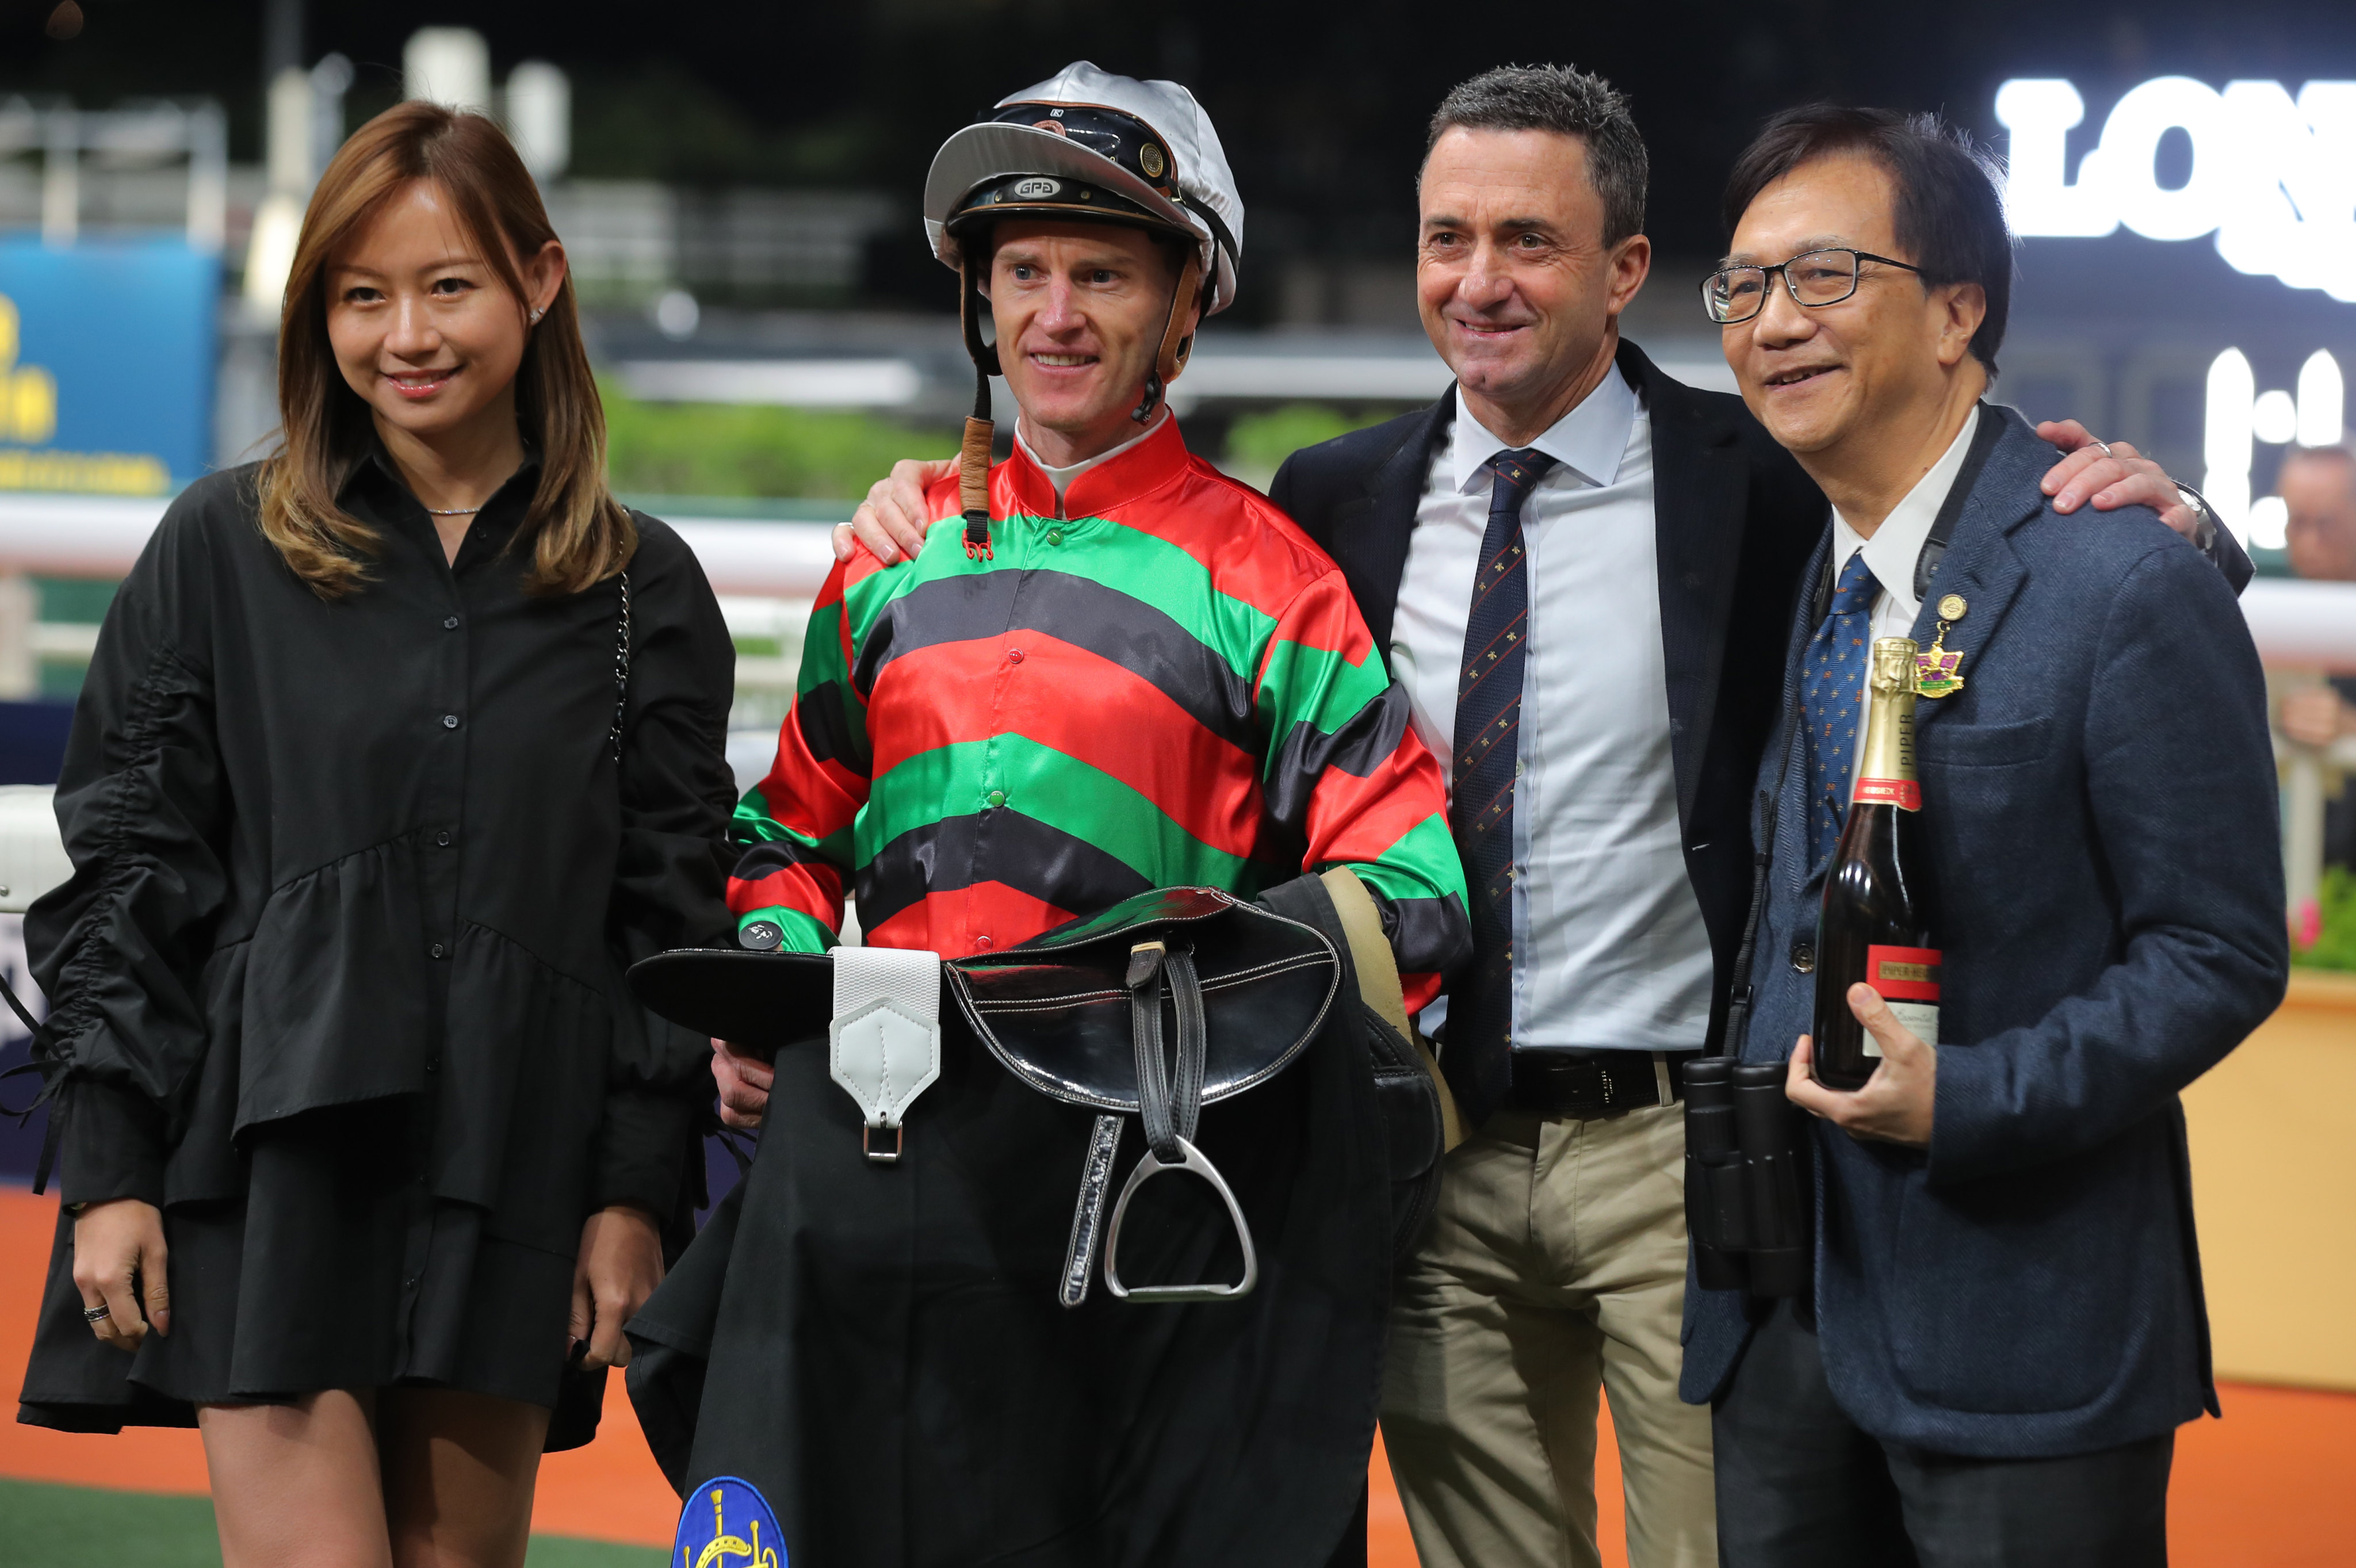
{"type": "Point", "coordinates": [1734, 519]}
{"type": "Point", "coordinates": [2100, 801]}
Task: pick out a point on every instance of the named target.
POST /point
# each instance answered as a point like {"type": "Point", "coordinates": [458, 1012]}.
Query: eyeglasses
{"type": "Point", "coordinates": [1818, 277]}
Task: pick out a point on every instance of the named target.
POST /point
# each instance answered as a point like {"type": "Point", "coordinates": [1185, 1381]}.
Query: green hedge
{"type": "Point", "coordinates": [1263, 441]}
{"type": "Point", "coordinates": [730, 449]}
{"type": "Point", "coordinates": [754, 450]}
{"type": "Point", "coordinates": [2335, 943]}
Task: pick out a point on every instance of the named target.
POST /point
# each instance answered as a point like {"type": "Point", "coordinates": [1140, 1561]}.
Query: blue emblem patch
{"type": "Point", "coordinates": [726, 1523]}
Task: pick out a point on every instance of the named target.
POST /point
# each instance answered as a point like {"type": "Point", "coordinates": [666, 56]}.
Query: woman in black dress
{"type": "Point", "coordinates": [397, 750]}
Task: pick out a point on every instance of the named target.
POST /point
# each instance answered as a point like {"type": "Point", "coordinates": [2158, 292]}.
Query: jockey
{"type": "Point", "coordinates": [1111, 669]}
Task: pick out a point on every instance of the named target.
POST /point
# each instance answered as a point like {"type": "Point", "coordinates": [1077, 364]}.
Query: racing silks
{"type": "Point", "coordinates": [1168, 686]}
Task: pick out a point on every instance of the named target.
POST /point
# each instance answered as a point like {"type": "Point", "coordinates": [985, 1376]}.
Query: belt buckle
{"type": "Point", "coordinates": [1561, 1084]}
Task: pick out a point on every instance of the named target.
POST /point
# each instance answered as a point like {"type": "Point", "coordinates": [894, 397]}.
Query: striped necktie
{"type": "Point", "coordinates": [1488, 758]}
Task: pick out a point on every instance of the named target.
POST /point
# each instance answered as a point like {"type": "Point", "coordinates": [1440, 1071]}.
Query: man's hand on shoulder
{"type": "Point", "coordinates": [891, 520]}
{"type": "Point", "coordinates": [2111, 475]}
{"type": "Point", "coordinates": [2314, 715]}
{"type": "Point", "coordinates": [1896, 1104]}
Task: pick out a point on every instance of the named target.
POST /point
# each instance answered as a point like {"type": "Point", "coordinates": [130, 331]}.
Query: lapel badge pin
{"type": "Point", "coordinates": [1938, 672]}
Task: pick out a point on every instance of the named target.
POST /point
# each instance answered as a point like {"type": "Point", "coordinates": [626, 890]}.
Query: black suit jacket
{"type": "Point", "coordinates": [1736, 521]}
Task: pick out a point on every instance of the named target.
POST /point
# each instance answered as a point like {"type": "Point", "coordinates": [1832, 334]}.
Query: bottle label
{"type": "Point", "coordinates": [1906, 794]}
{"type": "Point", "coordinates": [1921, 1020]}
{"type": "Point", "coordinates": [1902, 974]}
{"type": "Point", "coordinates": [1908, 980]}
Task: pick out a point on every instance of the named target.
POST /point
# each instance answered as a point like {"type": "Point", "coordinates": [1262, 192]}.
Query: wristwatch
{"type": "Point", "coordinates": [2204, 518]}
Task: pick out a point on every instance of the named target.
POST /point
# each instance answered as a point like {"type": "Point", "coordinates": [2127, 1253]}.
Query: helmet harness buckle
{"type": "Point", "coordinates": [974, 451]}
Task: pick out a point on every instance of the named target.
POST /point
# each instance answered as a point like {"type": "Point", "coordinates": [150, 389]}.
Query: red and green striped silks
{"type": "Point", "coordinates": [1170, 687]}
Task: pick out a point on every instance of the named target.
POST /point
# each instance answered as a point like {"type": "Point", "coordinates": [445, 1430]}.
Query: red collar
{"type": "Point", "coordinates": [1022, 488]}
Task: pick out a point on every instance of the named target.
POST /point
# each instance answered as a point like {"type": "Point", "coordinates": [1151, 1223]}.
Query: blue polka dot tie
{"type": "Point", "coordinates": [1488, 756]}
{"type": "Point", "coordinates": [1831, 689]}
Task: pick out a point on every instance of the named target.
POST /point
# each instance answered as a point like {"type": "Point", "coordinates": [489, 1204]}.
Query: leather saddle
{"type": "Point", "coordinates": [1155, 1008]}
{"type": "Point", "coordinates": [1163, 1004]}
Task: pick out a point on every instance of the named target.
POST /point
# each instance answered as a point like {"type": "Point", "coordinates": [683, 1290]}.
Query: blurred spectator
{"type": "Point", "coordinates": [2318, 486]}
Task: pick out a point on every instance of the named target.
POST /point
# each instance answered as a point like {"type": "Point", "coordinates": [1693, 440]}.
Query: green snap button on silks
{"type": "Point", "coordinates": [998, 797]}
{"type": "Point", "coordinates": [1055, 536]}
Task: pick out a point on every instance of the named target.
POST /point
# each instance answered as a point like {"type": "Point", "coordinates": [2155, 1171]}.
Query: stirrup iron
{"type": "Point", "coordinates": [1148, 1168]}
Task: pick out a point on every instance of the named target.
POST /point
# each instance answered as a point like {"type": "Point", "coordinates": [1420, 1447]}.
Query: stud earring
{"type": "Point", "coordinates": [535, 315]}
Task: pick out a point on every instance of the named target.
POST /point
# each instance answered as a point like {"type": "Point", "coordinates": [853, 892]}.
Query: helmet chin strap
{"type": "Point", "coordinates": [973, 452]}
{"type": "Point", "coordinates": [1177, 337]}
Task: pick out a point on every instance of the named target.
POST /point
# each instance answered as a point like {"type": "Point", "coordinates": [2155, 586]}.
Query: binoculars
{"type": "Point", "coordinates": [1748, 1193]}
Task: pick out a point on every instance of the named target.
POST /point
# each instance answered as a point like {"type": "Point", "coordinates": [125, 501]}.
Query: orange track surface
{"type": "Point", "coordinates": [2266, 1487]}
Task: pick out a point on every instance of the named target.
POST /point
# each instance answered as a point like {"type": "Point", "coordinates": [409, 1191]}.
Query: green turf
{"type": "Point", "coordinates": [563, 1551]}
{"type": "Point", "coordinates": [74, 1527]}
{"type": "Point", "coordinates": [64, 1527]}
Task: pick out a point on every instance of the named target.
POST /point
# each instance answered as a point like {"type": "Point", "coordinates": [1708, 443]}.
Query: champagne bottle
{"type": "Point", "coordinates": [1876, 924]}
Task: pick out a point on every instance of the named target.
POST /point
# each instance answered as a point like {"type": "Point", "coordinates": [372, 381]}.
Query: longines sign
{"type": "Point", "coordinates": [2273, 175]}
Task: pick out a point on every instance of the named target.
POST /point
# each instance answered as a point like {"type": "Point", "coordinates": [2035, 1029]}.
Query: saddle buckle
{"type": "Point", "coordinates": [1145, 961]}
{"type": "Point", "coordinates": [883, 1044]}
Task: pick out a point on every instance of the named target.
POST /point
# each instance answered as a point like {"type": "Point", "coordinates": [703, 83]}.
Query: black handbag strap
{"type": "Point", "coordinates": [621, 666]}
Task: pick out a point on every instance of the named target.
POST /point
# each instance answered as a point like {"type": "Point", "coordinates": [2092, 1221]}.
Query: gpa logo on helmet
{"type": "Point", "coordinates": [1037, 190]}
{"type": "Point", "coordinates": [727, 1524]}
{"type": "Point", "coordinates": [1149, 158]}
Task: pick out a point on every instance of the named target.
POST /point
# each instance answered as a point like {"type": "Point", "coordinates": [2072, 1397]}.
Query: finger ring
{"type": "Point", "coordinates": [96, 1314]}
{"type": "Point", "coordinates": [2105, 447]}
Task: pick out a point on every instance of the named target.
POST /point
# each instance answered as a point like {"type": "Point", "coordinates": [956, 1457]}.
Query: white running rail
{"type": "Point", "coordinates": [2302, 629]}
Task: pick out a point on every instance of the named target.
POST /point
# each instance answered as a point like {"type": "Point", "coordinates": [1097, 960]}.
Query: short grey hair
{"type": "Point", "coordinates": [1569, 102]}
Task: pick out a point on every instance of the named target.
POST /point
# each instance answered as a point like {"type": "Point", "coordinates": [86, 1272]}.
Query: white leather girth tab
{"type": "Point", "coordinates": [885, 1043]}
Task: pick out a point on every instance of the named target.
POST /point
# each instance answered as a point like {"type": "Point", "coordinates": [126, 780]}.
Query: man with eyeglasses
{"type": "Point", "coordinates": [2004, 1324]}
{"type": "Point", "coordinates": [1647, 540]}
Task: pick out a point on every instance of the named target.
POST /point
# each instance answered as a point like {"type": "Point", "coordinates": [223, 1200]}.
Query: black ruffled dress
{"type": "Point", "coordinates": [338, 980]}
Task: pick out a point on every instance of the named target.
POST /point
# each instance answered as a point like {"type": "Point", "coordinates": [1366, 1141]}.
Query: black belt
{"type": "Point", "coordinates": [1594, 1083]}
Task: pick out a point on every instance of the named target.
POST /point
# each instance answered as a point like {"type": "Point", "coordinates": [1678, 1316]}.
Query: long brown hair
{"type": "Point", "coordinates": [580, 534]}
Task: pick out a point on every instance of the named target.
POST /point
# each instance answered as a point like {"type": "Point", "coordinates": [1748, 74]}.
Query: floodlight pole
{"type": "Point", "coordinates": [282, 38]}
{"type": "Point", "coordinates": [61, 178]}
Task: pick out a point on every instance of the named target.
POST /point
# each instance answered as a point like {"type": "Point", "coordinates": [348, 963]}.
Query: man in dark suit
{"type": "Point", "coordinates": [2005, 1325]}
{"type": "Point", "coordinates": [1653, 594]}
{"type": "Point", "coordinates": [1660, 534]}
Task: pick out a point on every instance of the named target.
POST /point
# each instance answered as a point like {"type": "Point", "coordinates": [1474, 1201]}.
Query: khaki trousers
{"type": "Point", "coordinates": [1556, 1263]}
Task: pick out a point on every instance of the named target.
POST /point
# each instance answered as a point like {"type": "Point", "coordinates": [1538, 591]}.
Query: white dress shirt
{"type": "Point", "coordinates": [1891, 553]}
{"type": "Point", "coordinates": [1062, 478]}
{"type": "Point", "coordinates": [1610, 950]}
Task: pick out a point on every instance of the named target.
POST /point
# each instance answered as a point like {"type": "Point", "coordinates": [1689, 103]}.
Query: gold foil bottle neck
{"type": "Point", "coordinates": [1890, 720]}
{"type": "Point", "coordinates": [1893, 666]}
